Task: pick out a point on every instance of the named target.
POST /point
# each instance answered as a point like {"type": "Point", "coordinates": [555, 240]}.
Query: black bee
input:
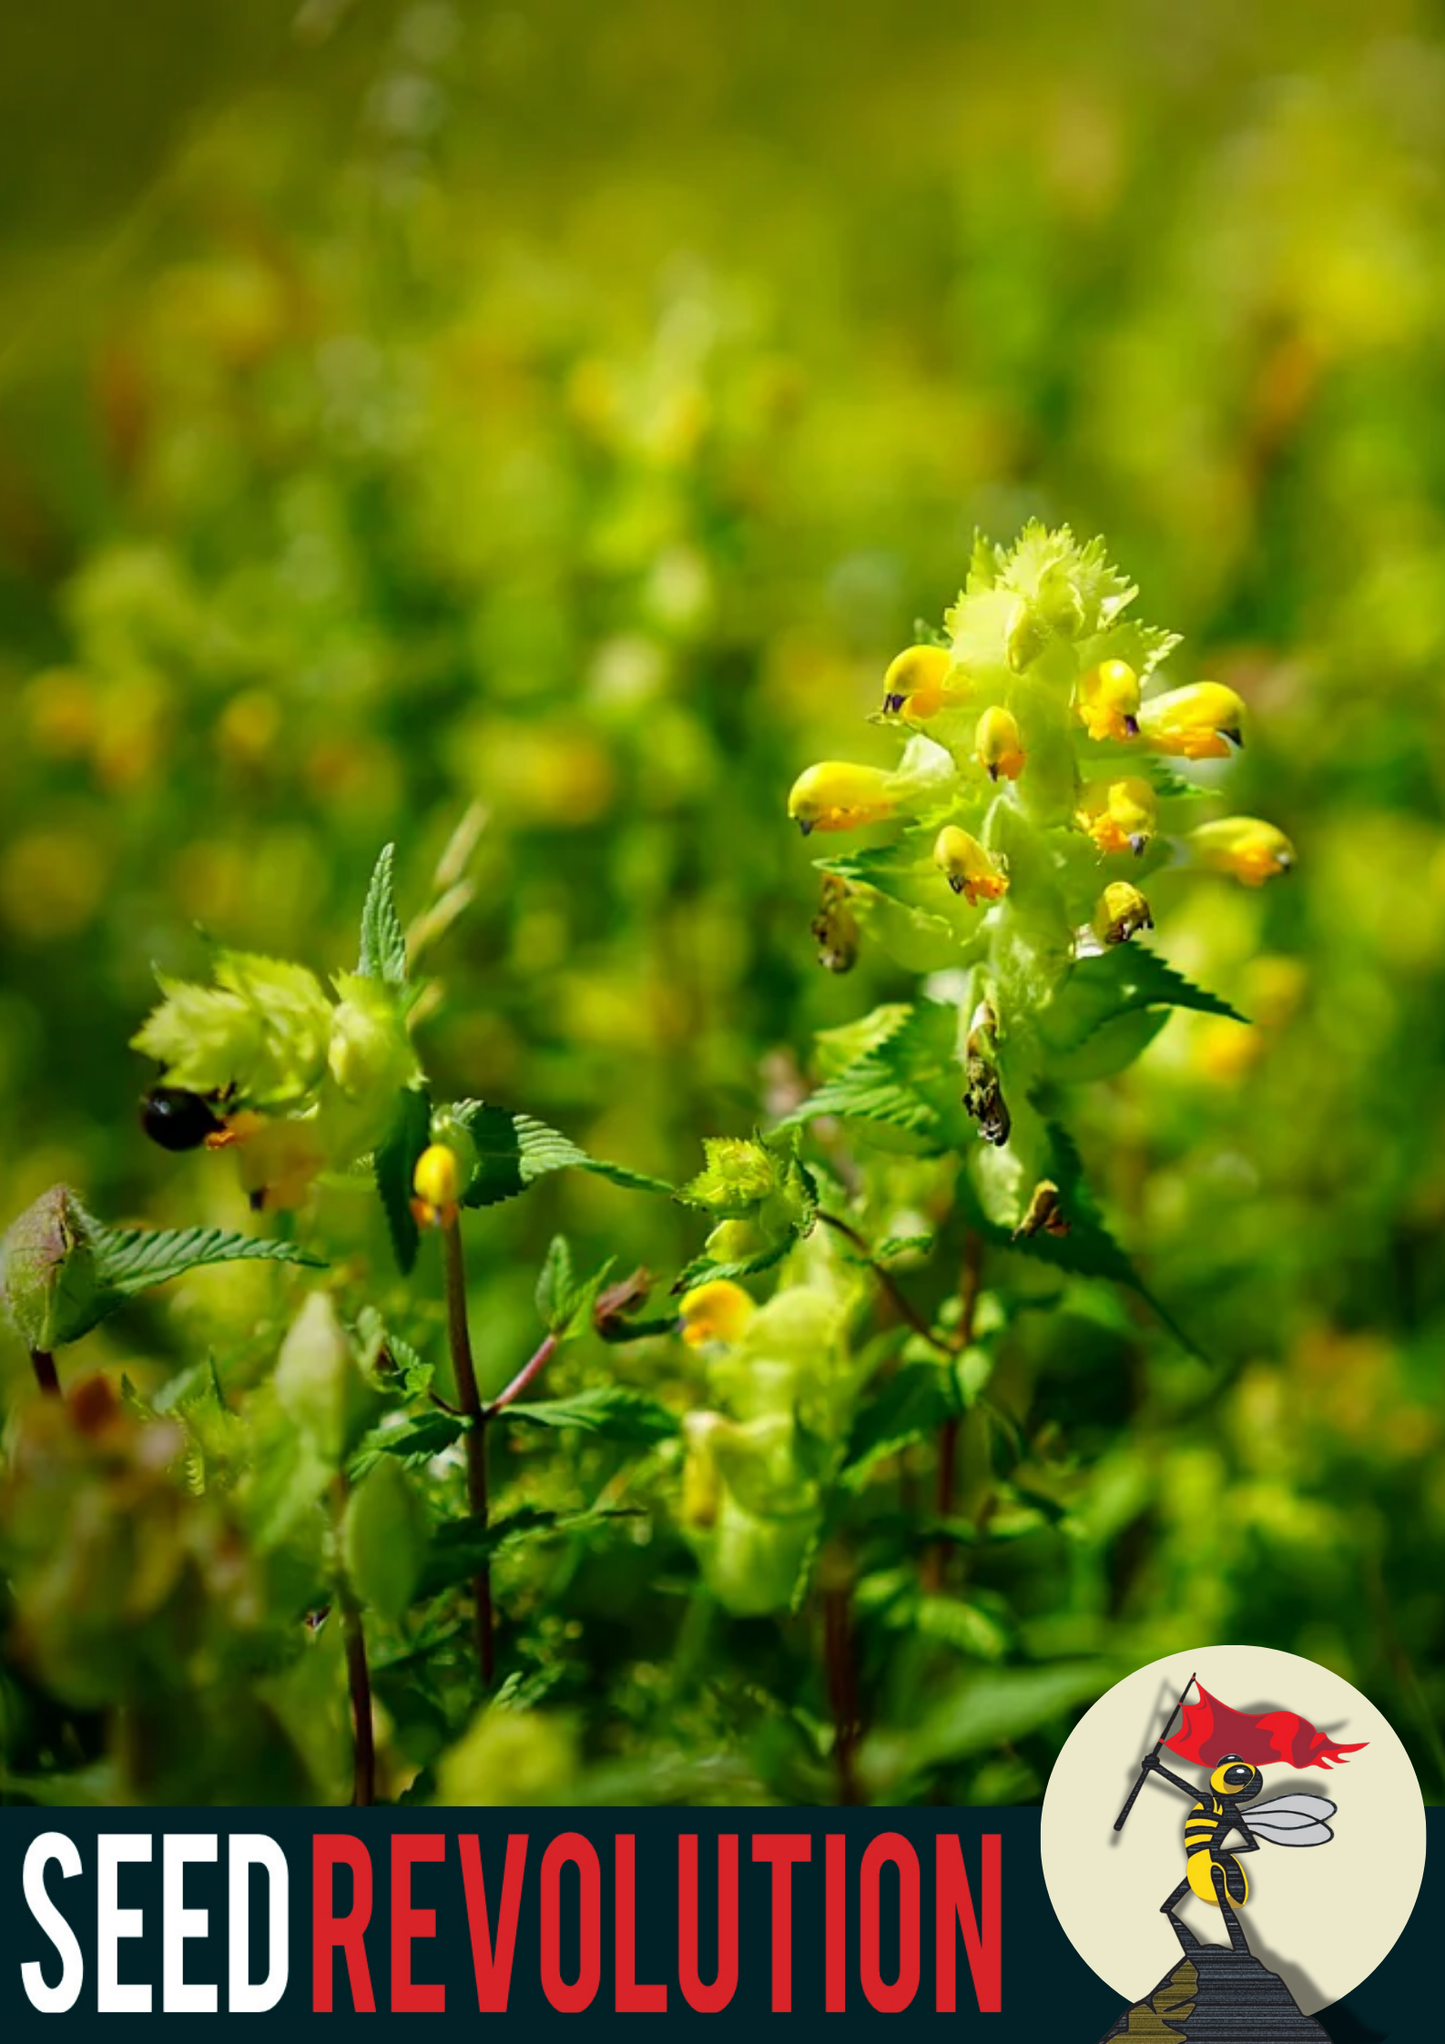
{"type": "Point", "coordinates": [178, 1120]}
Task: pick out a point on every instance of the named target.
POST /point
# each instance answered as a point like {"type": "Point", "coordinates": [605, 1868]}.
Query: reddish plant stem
{"type": "Point", "coordinates": [524, 1376]}
{"type": "Point", "coordinates": [358, 1674]}
{"type": "Point", "coordinates": [474, 1439]}
{"type": "Point", "coordinates": [842, 1689]}
{"type": "Point", "coordinates": [43, 1364]}
{"type": "Point", "coordinates": [936, 1559]}
{"type": "Point", "coordinates": [904, 1306]}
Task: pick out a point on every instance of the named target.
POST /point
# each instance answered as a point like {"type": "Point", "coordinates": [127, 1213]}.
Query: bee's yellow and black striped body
{"type": "Point", "coordinates": [1205, 1829]}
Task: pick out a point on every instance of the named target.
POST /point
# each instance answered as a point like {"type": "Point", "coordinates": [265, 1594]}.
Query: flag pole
{"type": "Point", "coordinates": [1143, 1766]}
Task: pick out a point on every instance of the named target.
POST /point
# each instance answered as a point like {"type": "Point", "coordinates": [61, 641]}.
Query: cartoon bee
{"type": "Point", "coordinates": [1215, 1875]}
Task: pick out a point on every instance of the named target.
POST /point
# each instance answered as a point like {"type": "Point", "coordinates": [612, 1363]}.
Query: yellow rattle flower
{"type": "Point", "coordinates": [1108, 700]}
{"type": "Point", "coordinates": [916, 682]}
{"type": "Point", "coordinates": [835, 795]}
{"type": "Point", "coordinates": [1120, 816]}
{"type": "Point", "coordinates": [437, 1183]}
{"type": "Point", "coordinates": [967, 867]}
{"type": "Point", "coordinates": [998, 744]}
{"type": "Point", "coordinates": [719, 1311]}
{"type": "Point", "coordinates": [1121, 911]}
{"type": "Point", "coordinates": [1244, 846]}
{"type": "Point", "coordinates": [1198, 722]}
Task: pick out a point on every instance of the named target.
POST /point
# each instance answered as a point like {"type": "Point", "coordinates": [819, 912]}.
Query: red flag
{"type": "Point", "coordinates": [1211, 1729]}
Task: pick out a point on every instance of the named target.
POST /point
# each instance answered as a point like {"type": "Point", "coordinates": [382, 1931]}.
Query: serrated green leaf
{"type": "Point", "coordinates": [911, 1405]}
{"type": "Point", "coordinates": [555, 1285]}
{"type": "Point", "coordinates": [706, 1270]}
{"type": "Point", "coordinates": [383, 941]}
{"type": "Point", "coordinates": [131, 1260]}
{"type": "Point", "coordinates": [415, 1444]}
{"type": "Point", "coordinates": [611, 1412]}
{"type": "Point", "coordinates": [909, 1080]}
{"type": "Point", "coordinates": [460, 1548]}
{"type": "Point", "coordinates": [1117, 982]}
{"type": "Point", "coordinates": [394, 1162]}
{"type": "Point", "coordinates": [514, 1150]}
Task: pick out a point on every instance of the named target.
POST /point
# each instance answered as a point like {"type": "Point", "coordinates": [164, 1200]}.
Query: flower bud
{"type": "Point", "coordinates": [437, 1183]}
{"type": "Point", "coordinates": [1243, 846]}
{"type": "Point", "coordinates": [916, 681]}
{"type": "Point", "coordinates": [47, 1271]}
{"type": "Point", "coordinates": [1122, 910]}
{"type": "Point", "coordinates": [317, 1382]}
{"type": "Point", "coordinates": [1194, 722]}
{"type": "Point", "coordinates": [998, 744]}
{"type": "Point", "coordinates": [1025, 635]}
{"type": "Point", "coordinates": [719, 1311]}
{"type": "Point", "coordinates": [1120, 816]}
{"type": "Point", "coordinates": [1107, 700]}
{"type": "Point", "coordinates": [835, 795]}
{"type": "Point", "coordinates": [967, 867]}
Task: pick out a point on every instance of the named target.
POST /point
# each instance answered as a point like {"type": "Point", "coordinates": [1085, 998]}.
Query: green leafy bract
{"type": "Point", "coordinates": [515, 1150]}
{"type": "Point", "coordinates": [383, 941]}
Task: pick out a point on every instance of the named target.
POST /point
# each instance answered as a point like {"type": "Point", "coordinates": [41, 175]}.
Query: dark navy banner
{"type": "Point", "coordinates": [120, 1916]}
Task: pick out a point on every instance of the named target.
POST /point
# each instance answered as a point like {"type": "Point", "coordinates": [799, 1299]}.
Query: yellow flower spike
{"type": "Point", "coordinates": [719, 1311]}
{"type": "Point", "coordinates": [1198, 722]}
{"type": "Point", "coordinates": [1243, 846]}
{"type": "Point", "coordinates": [998, 744]}
{"type": "Point", "coordinates": [967, 867]}
{"type": "Point", "coordinates": [1122, 910]}
{"type": "Point", "coordinates": [1108, 700]}
{"type": "Point", "coordinates": [437, 1183]}
{"type": "Point", "coordinates": [916, 681]}
{"type": "Point", "coordinates": [835, 795]}
{"type": "Point", "coordinates": [1120, 816]}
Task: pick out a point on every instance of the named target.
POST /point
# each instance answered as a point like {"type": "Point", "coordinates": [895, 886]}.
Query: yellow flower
{"type": "Point", "coordinates": [967, 867]}
{"type": "Point", "coordinates": [1194, 722]}
{"type": "Point", "coordinates": [1244, 846]}
{"type": "Point", "coordinates": [835, 795]}
{"type": "Point", "coordinates": [1108, 700]}
{"type": "Point", "coordinates": [279, 1157]}
{"type": "Point", "coordinates": [719, 1311]}
{"type": "Point", "coordinates": [998, 744]}
{"type": "Point", "coordinates": [1120, 816]}
{"type": "Point", "coordinates": [437, 1183]}
{"type": "Point", "coordinates": [916, 682]}
{"type": "Point", "coordinates": [1121, 911]}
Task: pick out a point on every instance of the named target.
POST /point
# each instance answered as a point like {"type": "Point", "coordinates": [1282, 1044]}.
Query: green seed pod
{"type": "Point", "coordinates": [47, 1271]}
{"type": "Point", "coordinates": [318, 1383]}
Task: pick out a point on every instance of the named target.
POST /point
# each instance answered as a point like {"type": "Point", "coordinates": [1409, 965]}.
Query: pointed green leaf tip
{"type": "Point", "coordinates": [62, 1272]}
{"type": "Point", "coordinates": [383, 941]}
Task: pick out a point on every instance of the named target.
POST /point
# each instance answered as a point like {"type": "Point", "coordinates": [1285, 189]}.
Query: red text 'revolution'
{"type": "Point", "coordinates": [879, 1899]}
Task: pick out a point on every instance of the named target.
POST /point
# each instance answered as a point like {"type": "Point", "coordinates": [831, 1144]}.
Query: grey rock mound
{"type": "Point", "coordinates": [1224, 1996]}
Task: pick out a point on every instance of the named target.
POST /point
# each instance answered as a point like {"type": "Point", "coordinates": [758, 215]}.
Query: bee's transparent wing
{"type": "Point", "coordinates": [1292, 1820]}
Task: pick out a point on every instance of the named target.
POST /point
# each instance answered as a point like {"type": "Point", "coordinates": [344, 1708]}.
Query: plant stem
{"type": "Point", "coordinates": [937, 1556]}
{"type": "Point", "coordinates": [523, 1377]}
{"type": "Point", "coordinates": [904, 1306]}
{"type": "Point", "coordinates": [358, 1674]}
{"type": "Point", "coordinates": [475, 1437]}
{"type": "Point", "coordinates": [842, 1689]}
{"type": "Point", "coordinates": [43, 1364]}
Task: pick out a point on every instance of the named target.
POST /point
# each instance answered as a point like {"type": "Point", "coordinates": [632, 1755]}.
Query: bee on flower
{"type": "Point", "coordinates": [967, 867]}
{"type": "Point", "coordinates": [1201, 721]}
{"type": "Point", "coordinates": [1107, 700]}
{"type": "Point", "coordinates": [1243, 846]}
{"type": "Point", "coordinates": [998, 745]}
{"type": "Point", "coordinates": [1120, 816]}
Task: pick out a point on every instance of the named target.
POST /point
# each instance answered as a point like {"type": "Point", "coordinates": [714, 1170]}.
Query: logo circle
{"type": "Point", "coordinates": [1321, 1918]}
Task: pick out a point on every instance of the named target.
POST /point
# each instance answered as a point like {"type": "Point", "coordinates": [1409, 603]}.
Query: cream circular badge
{"type": "Point", "coordinates": [1232, 1835]}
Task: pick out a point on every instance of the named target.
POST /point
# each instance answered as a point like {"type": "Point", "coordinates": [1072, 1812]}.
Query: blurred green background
{"type": "Point", "coordinates": [570, 410]}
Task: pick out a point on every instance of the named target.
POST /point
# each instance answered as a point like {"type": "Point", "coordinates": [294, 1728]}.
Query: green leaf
{"type": "Point", "coordinates": [384, 1540]}
{"type": "Point", "coordinates": [706, 1270]}
{"type": "Point", "coordinates": [984, 1712]}
{"type": "Point", "coordinates": [461, 1547]}
{"type": "Point", "coordinates": [1118, 981]}
{"type": "Point", "coordinates": [394, 1162]}
{"type": "Point", "coordinates": [910, 1080]}
{"type": "Point", "coordinates": [911, 1405]}
{"type": "Point", "coordinates": [131, 1260]}
{"type": "Point", "coordinates": [415, 1444]}
{"type": "Point", "coordinates": [514, 1151]}
{"type": "Point", "coordinates": [383, 941]}
{"type": "Point", "coordinates": [555, 1284]}
{"type": "Point", "coordinates": [611, 1413]}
